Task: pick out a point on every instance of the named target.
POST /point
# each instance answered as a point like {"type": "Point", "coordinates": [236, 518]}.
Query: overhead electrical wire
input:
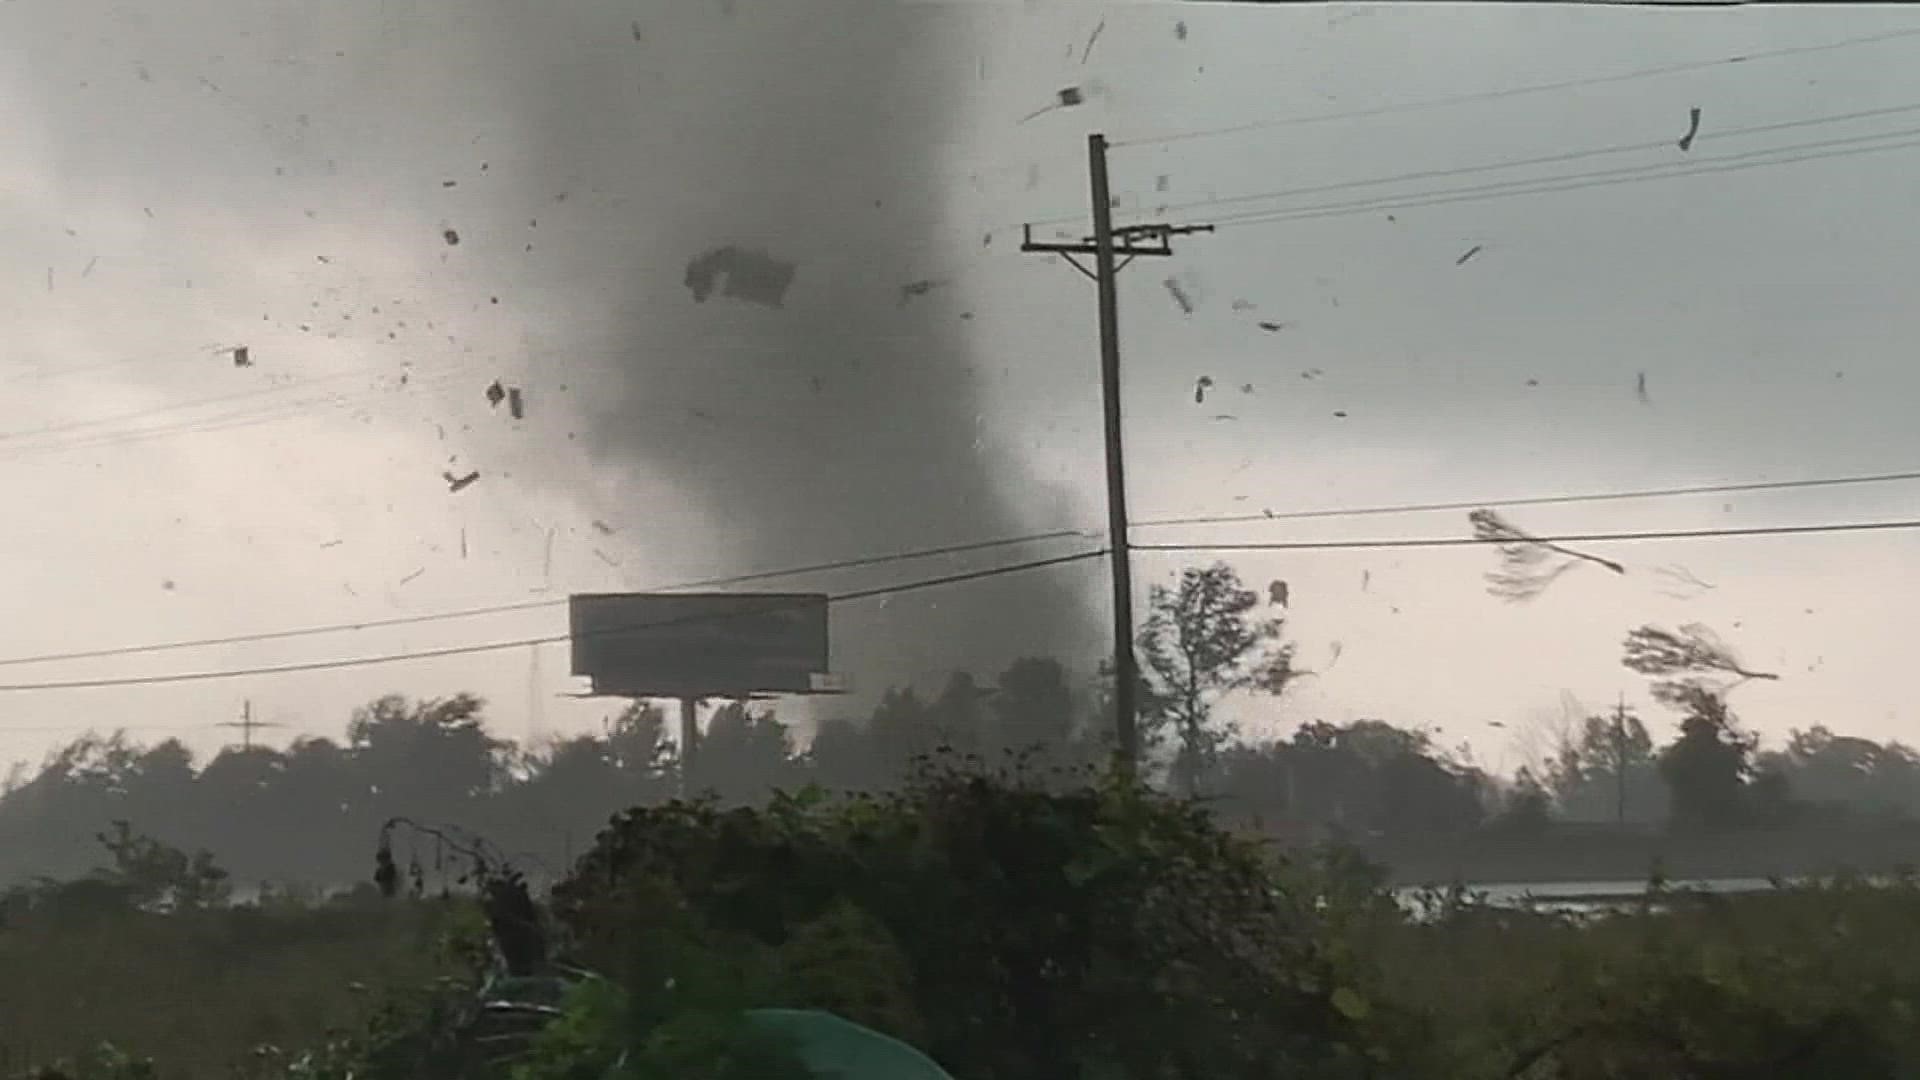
{"type": "Point", "coordinates": [536, 605]}
{"type": "Point", "coordinates": [1716, 136]}
{"type": "Point", "coordinates": [520, 643]}
{"type": "Point", "coordinates": [1512, 91]}
{"type": "Point", "coordinates": [1824, 149]}
{"type": "Point", "coordinates": [1561, 538]}
{"type": "Point", "coordinates": [1536, 500]}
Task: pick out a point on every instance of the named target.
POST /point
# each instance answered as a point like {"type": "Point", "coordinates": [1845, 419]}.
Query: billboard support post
{"type": "Point", "coordinates": [689, 742]}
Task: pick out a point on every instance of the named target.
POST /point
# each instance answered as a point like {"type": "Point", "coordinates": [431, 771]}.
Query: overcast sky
{"type": "Point", "coordinates": [283, 177]}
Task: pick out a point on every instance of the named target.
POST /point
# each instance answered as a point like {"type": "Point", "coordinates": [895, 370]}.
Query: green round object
{"type": "Point", "coordinates": [843, 1050]}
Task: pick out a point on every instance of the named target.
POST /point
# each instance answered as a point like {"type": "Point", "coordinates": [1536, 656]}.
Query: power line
{"type": "Point", "coordinates": [1512, 91]}
{"type": "Point", "coordinates": [1566, 538]}
{"type": "Point", "coordinates": [533, 605]}
{"type": "Point", "coordinates": [1848, 147]}
{"type": "Point", "coordinates": [1538, 500]}
{"type": "Point", "coordinates": [521, 643]}
{"type": "Point", "coordinates": [1518, 163]}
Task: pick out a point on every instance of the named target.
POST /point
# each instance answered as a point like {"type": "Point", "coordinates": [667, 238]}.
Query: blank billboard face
{"type": "Point", "coordinates": [699, 644]}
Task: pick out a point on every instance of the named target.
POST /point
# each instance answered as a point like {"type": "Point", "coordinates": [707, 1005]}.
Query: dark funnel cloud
{"type": "Point", "coordinates": [778, 171]}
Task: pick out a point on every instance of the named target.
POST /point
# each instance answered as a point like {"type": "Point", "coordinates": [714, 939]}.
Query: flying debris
{"type": "Point", "coordinates": [242, 357]}
{"type": "Point", "coordinates": [602, 527]}
{"type": "Point", "coordinates": [1200, 388]}
{"type": "Point", "coordinates": [1179, 294]}
{"type": "Point", "coordinates": [637, 34]}
{"type": "Point", "coordinates": [516, 405]}
{"type": "Point", "coordinates": [753, 276]}
{"type": "Point", "coordinates": [1066, 98]}
{"type": "Point", "coordinates": [1180, 30]}
{"type": "Point", "coordinates": [1277, 593]}
{"type": "Point", "coordinates": [451, 236]}
{"type": "Point", "coordinates": [1684, 576]}
{"type": "Point", "coordinates": [1693, 128]}
{"type": "Point", "coordinates": [460, 483]}
{"type": "Point", "coordinates": [1686, 662]}
{"type": "Point", "coordinates": [413, 575]}
{"type": "Point", "coordinates": [1274, 327]}
{"type": "Point", "coordinates": [1640, 389]}
{"type": "Point", "coordinates": [496, 394]}
{"type": "Point", "coordinates": [1470, 253]}
{"type": "Point", "coordinates": [1527, 563]}
{"type": "Point", "coordinates": [1091, 39]}
{"type": "Point", "coordinates": [917, 288]}
{"type": "Point", "coordinates": [1334, 649]}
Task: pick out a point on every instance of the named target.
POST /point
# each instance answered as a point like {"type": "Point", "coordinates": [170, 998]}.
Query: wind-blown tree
{"type": "Point", "coordinates": [1686, 662]}
{"type": "Point", "coordinates": [744, 757]}
{"type": "Point", "coordinates": [1201, 642]}
{"type": "Point", "coordinates": [1848, 774]}
{"type": "Point", "coordinates": [1708, 767]}
{"type": "Point", "coordinates": [1528, 563]}
{"type": "Point", "coordinates": [428, 758]}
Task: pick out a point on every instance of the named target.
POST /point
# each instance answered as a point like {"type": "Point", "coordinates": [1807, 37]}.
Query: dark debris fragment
{"type": "Point", "coordinates": [460, 483]}
{"type": "Point", "coordinates": [242, 356]}
{"type": "Point", "coordinates": [1470, 253]}
{"type": "Point", "coordinates": [1274, 327]}
{"type": "Point", "coordinates": [451, 236]}
{"type": "Point", "coordinates": [516, 405]}
{"type": "Point", "coordinates": [1179, 294]}
{"type": "Point", "coordinates": [1693, 129]}
{"type": "Point", "coordinates": [496, 394]}
{"type": "Point", "coordinates": [1200, 388]}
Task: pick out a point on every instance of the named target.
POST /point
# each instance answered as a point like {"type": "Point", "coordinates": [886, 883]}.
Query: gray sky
{"type": "Point", "coordinates": [232, 173]}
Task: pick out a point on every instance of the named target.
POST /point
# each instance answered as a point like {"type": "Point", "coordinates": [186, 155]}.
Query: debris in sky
{"type": "Point", "coordinates": [917, 288]}
{"type": "Point", "coordinates": [1225, 416]}
{"type": "Point", "coordinates": [449, 183]}
{"type": "Point", "coordinates": [637, 34]}
{"type": "Point", "coordinates": [1312, 373]}
{"type": "Point", "coordinates": [1277, 593]}
{"type": "Point", "coordinates": [1640, 389]}
{"type": "Point", "coordinates": [1274, 327]}
{"type": "Point", "coordinates": [463, 543]}
{"type": "Point", "coordinates": [332, 544]}
{"type": "Point", "coordinates": [1179, 294]}
{"type": "Point", "coordinates": [1334, 649]}
{"type": "Point", "coordinates": [1470, 253]}
{"type": "Point", "coordinates": [1161, 182]}
{"type": "Point", "coordinates": [1366, 579]}
{"type": "Point", "coordinates": [1244, 305]}
{"type": "Point", "coordinates": [1684, 661]}
{"type": "Point", "coordinates": [1066, 98]}
{"type": "Point", "coordinates": [1200, 388]}
{"type": "Point", "coordinates": [753, 276]}
{"type": "Point", "coordinates": [413, 575]}
{"type": "Point", "coordinates": [242, 356]}
{"type": "Point", "coordinates": [167, 585]}
{"type": "Point", "coordinates": [1091, 38]}
{"type": "Point", "coordinates": [1246, 388]}
{"type": "Point", "coordinates": [1526, 564]}
{"type": "Point", "coordinates": [460, 483]}
{"type": "Point", "coordinates": [602, 527]}
{"type": "Point", "coordinates": [1692, 586]}
{"type": "Point", "coordinates": [324, 258]}
{"type": "Point", "coordinates": [1693, 128]}
{"type": "Point", "coordinates": [90, 265]}
{"type": "Point", "coordinates": [1180, 30]}
{"type": "Point", "coordinates": [496, 394]}
{"type": "Point", "coordinates": [1341, 413]}
{"type": "Point", "coordinates": [451, 236]}
{"type": "Point", "coordinates": [606, 558]}
{"type": "Point", "coordinates": [516, 405]}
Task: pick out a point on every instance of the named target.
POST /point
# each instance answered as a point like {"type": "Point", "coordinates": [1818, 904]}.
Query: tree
{"type": "Point", "coordinates": [1686, 662]}
{"type": "Point", "coordinates": [1708, 766]}
{"type": "Point", "coordinates": [1201, 642]}
{"type": "Point", "coordinates": [745, 755]}
{"type": "Point", "coordinates": [1607, 771]}
{"type": "Point", "coordinates": [1528, 808]}
{"type": "Point", "coordinates": [155, 875]}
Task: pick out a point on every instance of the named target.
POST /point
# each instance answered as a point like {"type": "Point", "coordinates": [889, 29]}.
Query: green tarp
{"type": "Point", "coordinates": [843, 1050]}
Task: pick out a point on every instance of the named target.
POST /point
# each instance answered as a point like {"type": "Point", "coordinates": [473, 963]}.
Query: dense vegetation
{"type": "Point", "coordinates": [1014, 927]}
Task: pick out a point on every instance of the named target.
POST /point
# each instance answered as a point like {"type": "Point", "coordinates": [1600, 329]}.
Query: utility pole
{"type": "Point", "coordinates": [1620, 759]}
{"type": "Point", "coordinates": [689, 742]}
{"type": "Point", "coordinates": [1108, 245]}
{"type": "Point", "coordinates": [246, 724]}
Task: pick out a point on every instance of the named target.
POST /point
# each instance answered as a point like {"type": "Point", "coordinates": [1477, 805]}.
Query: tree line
{"type": "Point", "coordinates": [304, 813]}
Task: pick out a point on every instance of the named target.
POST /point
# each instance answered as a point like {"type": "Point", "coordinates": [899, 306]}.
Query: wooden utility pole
{"type": "Point", "coordinates": [689, 742]}
{"type": "Point", "coordinates": [246, 724]}
{"type": "Point", "coordinates": [1112, 249]}
{"type": "Point", "coordinates": [1620, 760]}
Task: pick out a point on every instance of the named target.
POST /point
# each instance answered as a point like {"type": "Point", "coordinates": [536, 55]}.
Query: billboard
{"type": "Point", "coordinates": [699, 644]}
